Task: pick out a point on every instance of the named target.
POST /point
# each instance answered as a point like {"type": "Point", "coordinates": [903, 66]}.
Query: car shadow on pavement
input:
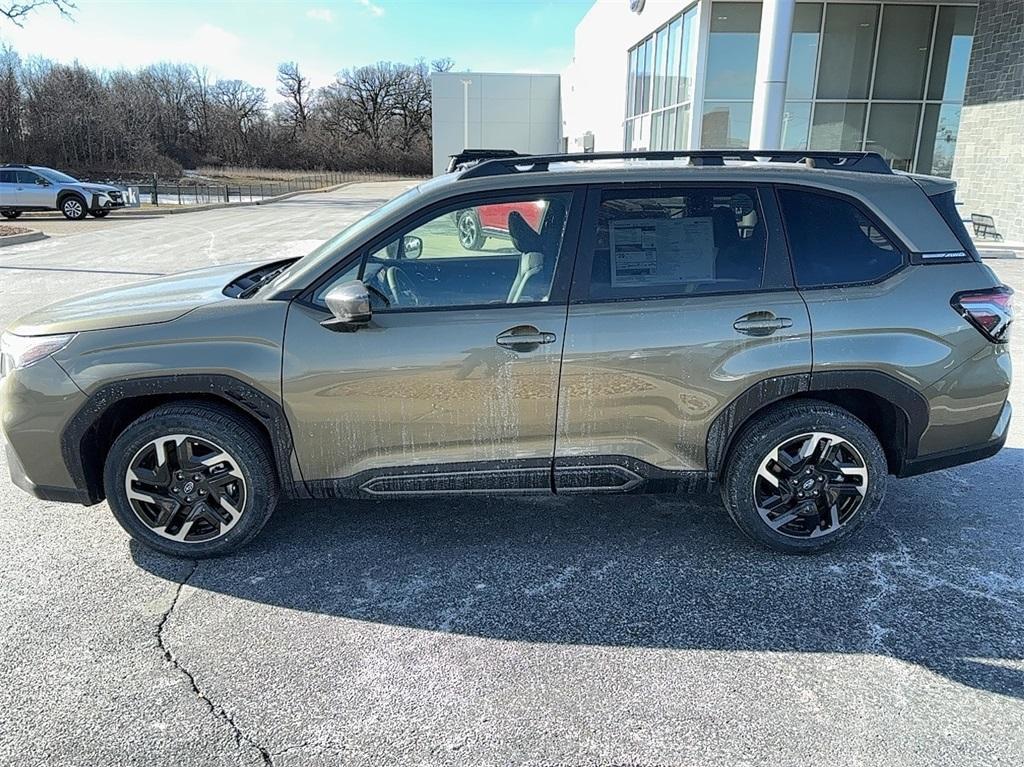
{"type": "Point", "coordinates": [935, 580]}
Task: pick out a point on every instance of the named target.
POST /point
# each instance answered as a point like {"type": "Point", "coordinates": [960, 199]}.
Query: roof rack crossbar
{"type": "Point", "coordinates": [471, 156]}
{"type": "Point", "coordinates": [861, 162]}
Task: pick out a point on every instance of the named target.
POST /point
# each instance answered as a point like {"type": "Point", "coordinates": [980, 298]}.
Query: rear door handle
{"type": "Point", "coordinates": [524, 336]}
{"type": "Point", "coordinates": [761, 324]}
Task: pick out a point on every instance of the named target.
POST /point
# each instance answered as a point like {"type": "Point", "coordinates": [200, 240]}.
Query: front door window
{"type": "Point", "coordinates": [493, 253]}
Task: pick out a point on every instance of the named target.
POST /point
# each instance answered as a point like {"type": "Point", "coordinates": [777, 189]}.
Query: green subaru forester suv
{"type": "Point", "coordinates": [790, 328]}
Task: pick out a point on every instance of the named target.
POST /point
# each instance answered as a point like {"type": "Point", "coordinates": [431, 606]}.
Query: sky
{"type": "Point", "coordinates": [247, 40]}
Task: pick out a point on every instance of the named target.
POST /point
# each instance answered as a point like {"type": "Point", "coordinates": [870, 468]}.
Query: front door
{"type": "Point", "coordinates": [32, 190]}
{"type": "Point", "coordinates": [682, 299]}
{"type": "Point", "coordinates": [453, 385]}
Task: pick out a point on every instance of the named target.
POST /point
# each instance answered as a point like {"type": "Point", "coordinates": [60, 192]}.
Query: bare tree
{"type": "Point", "coordinates": [295, 89]}
{"type": "Point", "coordinates": [18, 11]}
{"type": "Point", "coordinates": [167, 116]}
{"type": "Point", "coordinates": [11, 105]}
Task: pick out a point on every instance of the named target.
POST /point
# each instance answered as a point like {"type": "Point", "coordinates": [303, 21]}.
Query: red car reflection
{"type": "Point", "coordinates": [475, 225]}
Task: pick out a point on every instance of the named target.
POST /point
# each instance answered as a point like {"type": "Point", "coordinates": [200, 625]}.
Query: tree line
{"type": "Point", "coordinates": [165, 117]}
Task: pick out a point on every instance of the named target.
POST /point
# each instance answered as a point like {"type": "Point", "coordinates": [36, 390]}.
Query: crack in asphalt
{"type": "Point", "coordinates": [218, 711]}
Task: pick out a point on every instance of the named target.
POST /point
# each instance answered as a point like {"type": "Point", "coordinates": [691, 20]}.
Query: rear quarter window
{"type": "Point", "coordinates": [832, 242]}
{"type": "Point", "coordinates": [945, 203]}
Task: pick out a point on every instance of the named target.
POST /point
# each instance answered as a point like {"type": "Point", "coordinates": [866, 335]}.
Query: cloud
{"type": "Point", "coordinates": [320, 14]}
{"type": "Point", "coordinates": [372, 7]}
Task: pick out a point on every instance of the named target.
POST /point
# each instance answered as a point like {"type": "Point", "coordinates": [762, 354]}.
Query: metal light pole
{"type": "Point", "coordinates": [465, 113]}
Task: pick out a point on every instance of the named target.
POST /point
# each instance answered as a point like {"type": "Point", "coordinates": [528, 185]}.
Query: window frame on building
{"type": "Point", "coordinates": [646, 114]}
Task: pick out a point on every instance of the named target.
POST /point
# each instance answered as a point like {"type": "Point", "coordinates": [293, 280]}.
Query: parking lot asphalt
{"type": "Point", "coordinates": [600, 630]}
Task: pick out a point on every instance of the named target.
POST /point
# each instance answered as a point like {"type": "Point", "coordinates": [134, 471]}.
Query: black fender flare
{"type": "Point", "coordinates": [741, 409]}
{"type": "Point", "coordinates": [78, 440]}
{"type": "Point", "coordinates": [71, 193]}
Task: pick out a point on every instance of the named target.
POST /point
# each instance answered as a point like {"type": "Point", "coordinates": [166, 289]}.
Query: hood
{"type": "Point", "coordinates": [160, 299]}
{"type": "Point", "coordinates": [90, 187]}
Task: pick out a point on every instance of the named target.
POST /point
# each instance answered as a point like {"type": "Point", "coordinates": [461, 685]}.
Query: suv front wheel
{"type": "Point", "coordinates": [10, 215]}
{"type": "Point", "coordinates": [73, 207]}
{"type": "Point", "coordinates": [804, 476]}
{"type": "Point", "coordinates": [191, 480]}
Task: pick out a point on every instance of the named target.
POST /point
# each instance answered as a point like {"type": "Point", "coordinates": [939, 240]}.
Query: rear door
{"type": "Point", "coordinates": [453, 385]}
{"type": "Point", "coordinates": [682, 299]}
{"type": "Point", "coordinates": [8, 188]}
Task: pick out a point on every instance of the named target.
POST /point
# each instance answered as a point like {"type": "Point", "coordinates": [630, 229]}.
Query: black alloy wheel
{"type": "Point", "coordinates": [810, 485]}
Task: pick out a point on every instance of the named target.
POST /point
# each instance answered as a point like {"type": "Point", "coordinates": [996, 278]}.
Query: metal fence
{"type": "Point", "coordinates": [204, 192]}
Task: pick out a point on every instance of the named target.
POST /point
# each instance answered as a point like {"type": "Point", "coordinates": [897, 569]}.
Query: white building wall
{"type": "Point", "coordinates": [506, 111]}
{"type": "Point", "coordinates": [594, 83]}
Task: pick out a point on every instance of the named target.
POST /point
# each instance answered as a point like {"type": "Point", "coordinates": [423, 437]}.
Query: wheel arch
{"type": "Point", "coordinates": [896, 412]}
{"type": "Point", "coordinates": [64, 194]}
{"type": "Point", "coordinates": [89, 434]}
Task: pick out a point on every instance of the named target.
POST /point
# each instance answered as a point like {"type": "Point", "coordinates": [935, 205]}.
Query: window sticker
{"type": "Point", "coordinates": [661, 251]}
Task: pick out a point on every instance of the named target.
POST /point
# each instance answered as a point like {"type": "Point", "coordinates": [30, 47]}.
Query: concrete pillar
{"type": "Point", "coordinates": [772, 67]}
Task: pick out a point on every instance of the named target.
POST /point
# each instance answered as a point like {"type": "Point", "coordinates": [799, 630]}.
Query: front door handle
{"type": "Point", "coordinates": [524, 337]}
{"type": "Point", "coordinates": [761, 324]}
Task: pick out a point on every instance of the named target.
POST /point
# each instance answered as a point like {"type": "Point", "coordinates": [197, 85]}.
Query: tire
{"type": "Point", "coordinates": [99, 213]}
{"type": "Point", "coordinates": [10, 215]}
{"type": "Point", "coordinates": [73, 207]}
{"type": "Point", "coordinates": [191, 494]}
{"type": "Point", "coordinates": [471, 235]}
{"type": "Point", "coordinates": [793, 506]}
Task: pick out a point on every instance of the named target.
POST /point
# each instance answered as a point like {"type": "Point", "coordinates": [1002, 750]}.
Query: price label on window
{"type": "Point", "coordinates": [660, 251]}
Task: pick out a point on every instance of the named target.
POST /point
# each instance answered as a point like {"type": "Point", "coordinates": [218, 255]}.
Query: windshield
{"type": "Point", "coordinates": [56, 176]}
{"type": "Point", "coordinates": [343, 240]}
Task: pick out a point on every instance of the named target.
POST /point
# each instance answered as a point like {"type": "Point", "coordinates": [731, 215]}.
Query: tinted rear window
{"type": "Point", "coordinates": [6, 176]}
{"type": "Point", "coordinates": [832, 242]}
{"type": "Point", "coordinates": [945, 203]}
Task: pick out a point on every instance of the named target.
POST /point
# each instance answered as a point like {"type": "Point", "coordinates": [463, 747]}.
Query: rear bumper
{"type": "Point", "coordinates": [961, 455]}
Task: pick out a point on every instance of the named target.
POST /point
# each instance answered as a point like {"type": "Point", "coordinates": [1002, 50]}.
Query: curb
{"type": "Point", "coordinates": [18, 239]}
{"type": "Point", "coordinates": [161, 210]}
{"type": "Point", "coordinates": [998, 253]}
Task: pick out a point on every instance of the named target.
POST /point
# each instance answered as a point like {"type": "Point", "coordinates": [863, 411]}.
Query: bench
{"type": "Point", "coordinates": [985, 226]}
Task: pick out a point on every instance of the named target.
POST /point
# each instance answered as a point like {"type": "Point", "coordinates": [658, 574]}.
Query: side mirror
{"type": "Point", "coordinates": [42, 182]}
{"type": "Point", "coordinates": [349, 303]}
{"type": "Point", "coordinates": [412, 246]}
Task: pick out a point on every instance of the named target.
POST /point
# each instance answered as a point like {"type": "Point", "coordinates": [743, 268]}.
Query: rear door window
{"type": "Point", "coordinates": [833, 242]}
{"type": "Point", "coordinates": [6, 176]}
{"type": "Point", "coordinates": [671, 241]}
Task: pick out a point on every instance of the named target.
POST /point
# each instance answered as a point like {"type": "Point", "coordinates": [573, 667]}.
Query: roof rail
{"type": "Point", "coordinates": [861, 162]}
{"type": "Point", "coordinates": [471, 156]}
{"type": "Point", "coordinates": [14, 165]}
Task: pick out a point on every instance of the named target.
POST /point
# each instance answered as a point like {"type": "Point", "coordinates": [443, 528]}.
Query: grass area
{"type": "Point", "coordinates": [236, 175]}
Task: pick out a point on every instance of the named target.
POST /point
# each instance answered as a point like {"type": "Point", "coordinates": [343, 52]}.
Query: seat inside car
{"type": "Point", "coordinates": [539, 252]}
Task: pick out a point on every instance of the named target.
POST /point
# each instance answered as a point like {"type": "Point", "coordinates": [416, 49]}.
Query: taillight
{"type": "Point", "coordinates": [990, 311]}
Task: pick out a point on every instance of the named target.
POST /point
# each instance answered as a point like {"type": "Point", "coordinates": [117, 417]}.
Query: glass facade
{"type": "Point", "coordinates": [660, 86]}
{"type": "Point", "coordinates": [863, 76]}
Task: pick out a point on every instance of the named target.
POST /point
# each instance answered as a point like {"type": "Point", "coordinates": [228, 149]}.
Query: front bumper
{"type": "Point", "coordinates": [35, 405]}
{"type": "Point", "coordinates": [107, 201]}
{"type": "Point", "coordinates": [961, 455]}
{"type": "Point", "coordinates": [21, 479]}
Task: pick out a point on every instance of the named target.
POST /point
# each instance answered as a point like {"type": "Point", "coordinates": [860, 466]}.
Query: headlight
{"type": "Point", "coordinates": [18, 352]}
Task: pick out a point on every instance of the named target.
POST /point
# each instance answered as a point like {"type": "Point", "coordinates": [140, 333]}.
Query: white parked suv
{"type": "Point", "coordinates": [28, 187]}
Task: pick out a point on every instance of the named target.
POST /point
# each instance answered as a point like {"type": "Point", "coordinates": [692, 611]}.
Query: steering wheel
{"type": "Point", "coordinates": [403, 291]}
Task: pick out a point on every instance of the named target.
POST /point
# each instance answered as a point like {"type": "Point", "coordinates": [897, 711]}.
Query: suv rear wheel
{"type": "Point", "coordinates": [10, 215]}
{"type": "Point", "coordinates": [191, 480]}
{"type": "Point", "coordinates": [804, 476]}
{"type": "Point", "coordinates": [73, 207]}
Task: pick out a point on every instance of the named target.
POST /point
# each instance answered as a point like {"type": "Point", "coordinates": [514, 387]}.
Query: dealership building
{"type": "Point", "coordinates": [934, 87]}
